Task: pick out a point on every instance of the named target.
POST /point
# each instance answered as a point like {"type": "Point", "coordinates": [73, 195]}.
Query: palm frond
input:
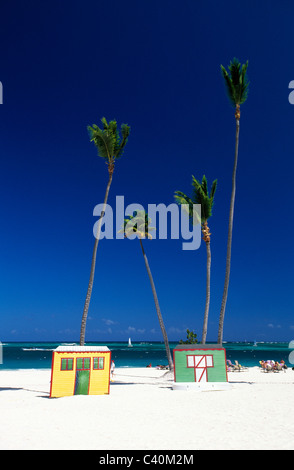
{"type": "Point", "coordinates": [204, 185]}
{"type": "Point", "coordinates": [245, 83]}
{"type": "Point", "coordinates": [183, 200]}
{"type": "Point", "coordinates": [199, 190]}
{"type": "Point", "coordinates": [125, 132]}
{"type": "Point", "coordinates": [105, 123]}
{"type": "Point", "coordinates": [234, 69]}
{"type": "Point", "coordinates": [212, 191]}
{"type": "Point", "coordinates": [228, 85]}
{"type": "Point", "coordinates": [206, 211]}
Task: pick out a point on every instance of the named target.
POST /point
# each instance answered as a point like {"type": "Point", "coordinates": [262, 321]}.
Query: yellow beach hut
{"type": "Point", "coordinates": [80, 370]}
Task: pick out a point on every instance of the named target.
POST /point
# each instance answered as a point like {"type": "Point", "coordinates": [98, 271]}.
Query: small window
{"type": "Point", "coordinates": [87, 363]}
{"type": "Point", "coordinates": [98, 363]}
{"type": "Point", "coordinates": [83, 363]}
{"type": "Point", "coordinates": [190, 361]}
{"type": "Point", "coordinates": [66, 364]}
{"type": "Point", "coordinates": [209, 361]}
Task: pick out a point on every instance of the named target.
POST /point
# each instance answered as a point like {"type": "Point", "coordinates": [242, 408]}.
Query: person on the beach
{"type": "Point", "coordinates": [112, 371]}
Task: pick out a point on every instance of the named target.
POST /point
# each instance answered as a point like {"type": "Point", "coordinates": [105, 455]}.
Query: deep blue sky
{"type": "Point", "coordinates": [156, 66]}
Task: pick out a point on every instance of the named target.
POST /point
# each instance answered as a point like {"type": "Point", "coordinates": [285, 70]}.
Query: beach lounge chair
{"type": "Point", "coordinates": [266, 366]}
{"type": "Point", "coordinates": [231, 367]}
{"type": "Point", "coordinates": [283, 365]}
{"type": "Point", "coordinates": [240, 367]}
{"type": "Point", "coordinates": [272, 366]}
{"type": "Point", "coordinates": [278, 367]}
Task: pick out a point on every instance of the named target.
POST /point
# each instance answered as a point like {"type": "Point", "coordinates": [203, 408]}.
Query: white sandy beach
{"type": "Point", "coordinates": [142, 412]}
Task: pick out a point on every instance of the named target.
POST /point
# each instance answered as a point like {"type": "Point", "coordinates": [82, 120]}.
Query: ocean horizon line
{"type": "Point", "coordinates": [73, 342]}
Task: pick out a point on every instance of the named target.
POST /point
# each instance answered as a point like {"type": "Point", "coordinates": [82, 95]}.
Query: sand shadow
{"type": "Point", "coordinates": [242, 382]}
{"type": "Point", "coordinates": [122, 383]}
{"type": "Point", "coordinates": [7, 389]}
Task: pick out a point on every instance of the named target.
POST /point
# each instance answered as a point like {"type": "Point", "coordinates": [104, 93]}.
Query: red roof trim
{"type": "Point", "coordinates": [201, 349]}
{"type": "Point", "coordinates": [82, 352]}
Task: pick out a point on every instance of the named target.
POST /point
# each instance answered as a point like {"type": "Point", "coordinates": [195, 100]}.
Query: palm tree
{"type": "Point", "coordinates": [110, 146]}
{"type": "Point", "coordinates": [202, 196]}
{"type": "Point", "coordinates": [236, 83]}
{"type": "Point", "coordinates": [139, 224]}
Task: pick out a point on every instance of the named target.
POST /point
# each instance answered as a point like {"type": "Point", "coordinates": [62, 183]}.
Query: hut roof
{"type": "Point", "coordinates": [82, 349]}
{"type": "Point", "coordinates": [199, 346]}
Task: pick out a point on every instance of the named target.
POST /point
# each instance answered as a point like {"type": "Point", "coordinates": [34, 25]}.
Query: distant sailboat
{"type": "Point", "coordinates": [130, 343]}
{"type": "Point", "coordinates": [255, 344]}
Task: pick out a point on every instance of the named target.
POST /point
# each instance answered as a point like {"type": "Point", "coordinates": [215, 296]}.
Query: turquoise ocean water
{"type": "Point", "coordinates": [39, 355]}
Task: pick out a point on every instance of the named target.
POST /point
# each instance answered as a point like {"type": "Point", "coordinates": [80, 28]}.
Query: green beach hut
{"type": "Point", "coordinates": [199, 366]}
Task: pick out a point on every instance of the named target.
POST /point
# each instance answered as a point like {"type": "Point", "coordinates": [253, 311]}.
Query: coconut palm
{"type": "Point", "coordinates": [138, 225]}
{"type": "Point", "coordinates": [236, 83]}
{"type": "Point", "coordinates": [201, 196]}
{"type": "Point", "coordinates": [110, 146]}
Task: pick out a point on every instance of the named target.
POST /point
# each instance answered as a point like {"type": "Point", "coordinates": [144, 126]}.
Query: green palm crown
{"type": "Point", "coordinates": [201, 196]}
{"type": "Point", "coordinates": [138, 223]}
{"type": "Point", "coordinates": [110, 144]}
{"type": "Point", "coordinates": [236, 82]}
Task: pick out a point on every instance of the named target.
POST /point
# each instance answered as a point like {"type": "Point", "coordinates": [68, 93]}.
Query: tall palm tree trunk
{"type": "Point", "coordinates": [93, 264]}
{"type": "Point", "coordinates": [206, 312]}
{"type": "Point", "coordinates": [229, 244]}
{"type": "Point", "coordinates": [168, 353]}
